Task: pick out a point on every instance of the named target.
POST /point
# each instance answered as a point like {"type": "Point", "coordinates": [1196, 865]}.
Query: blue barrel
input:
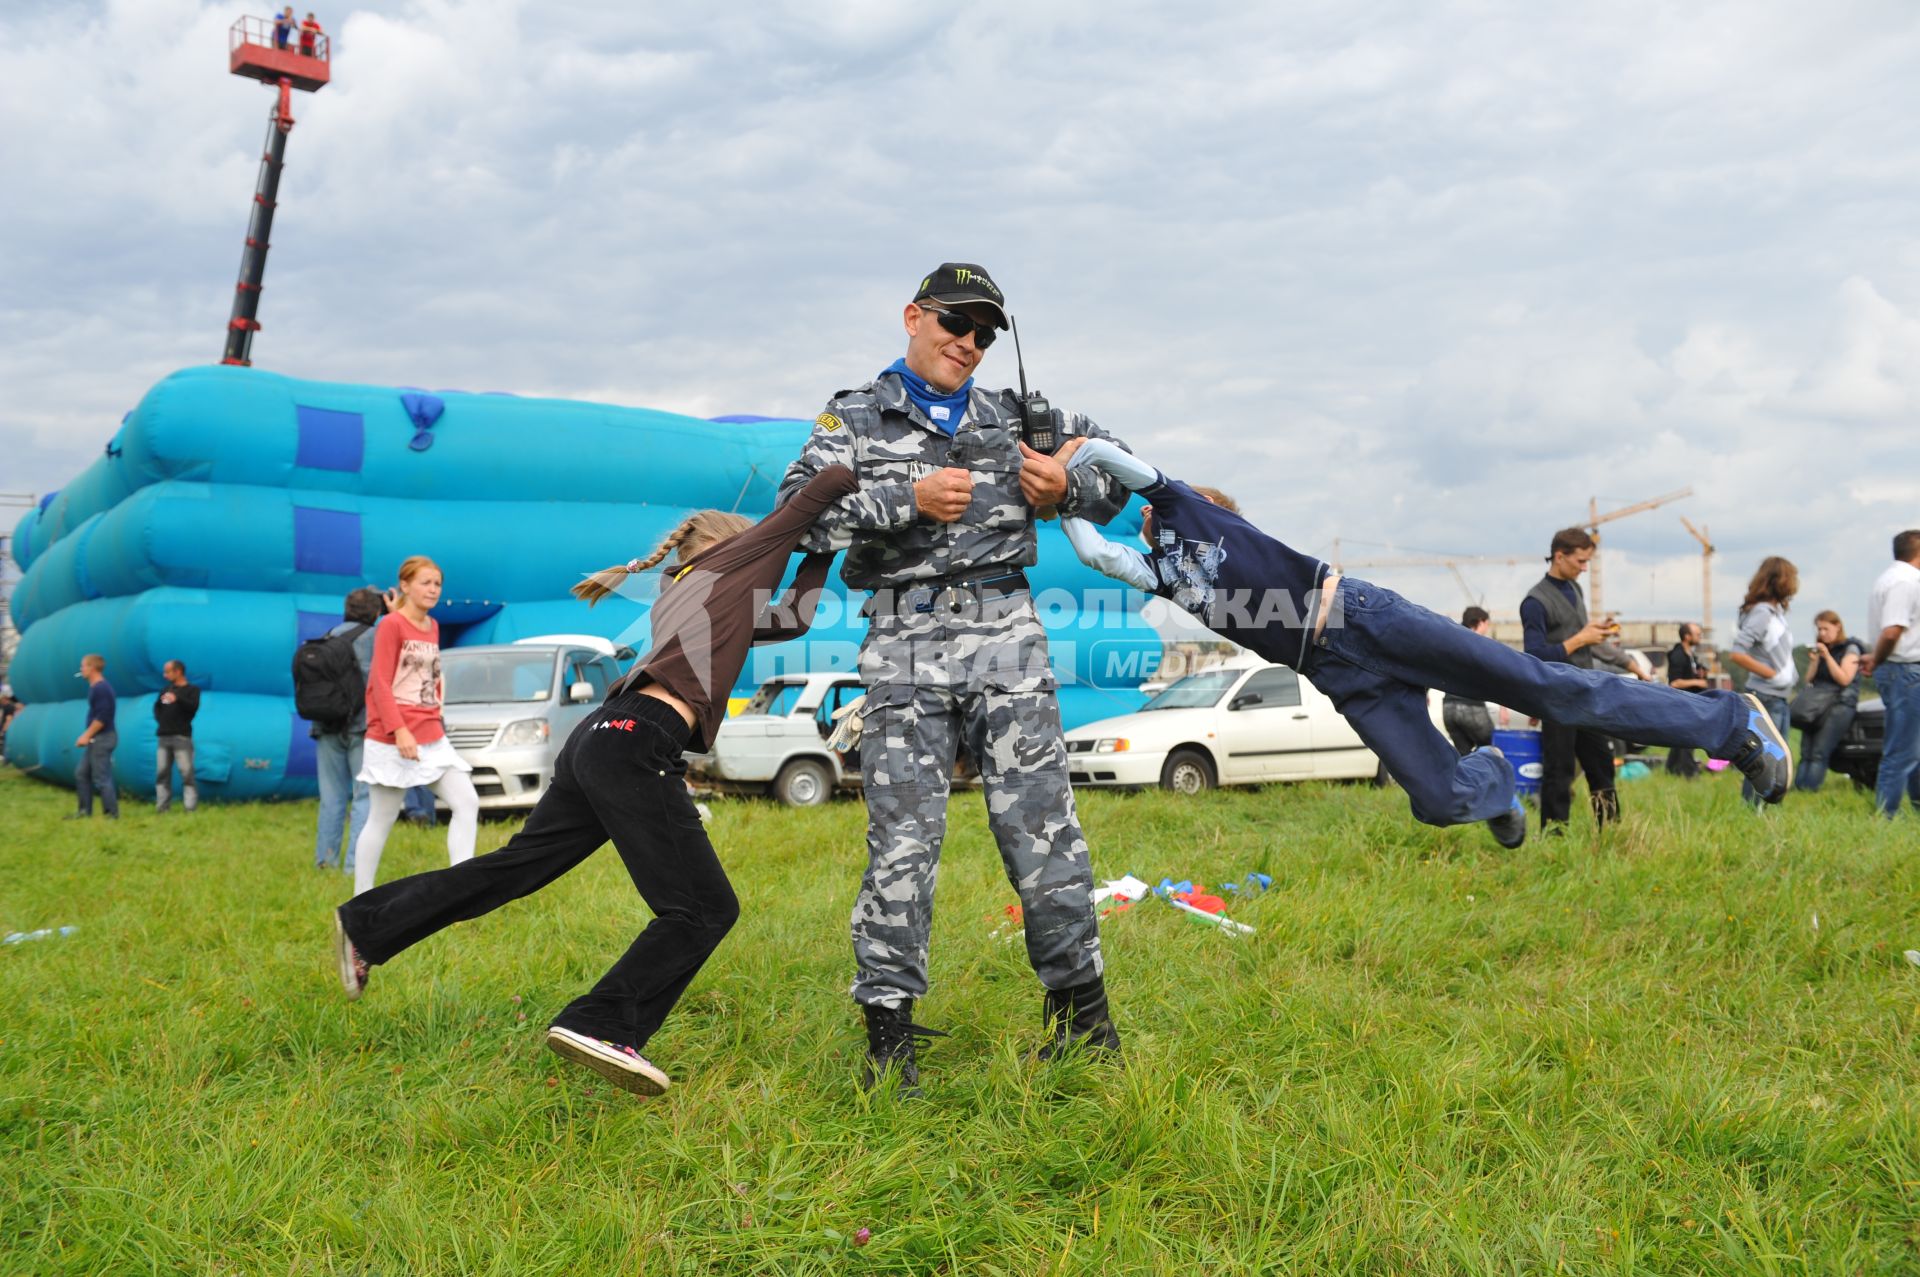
{"type": "Point", "coordinates": [1522, 748]}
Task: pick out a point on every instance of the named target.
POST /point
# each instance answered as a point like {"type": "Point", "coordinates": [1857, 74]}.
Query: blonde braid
{"type": "Point", "coordinates": [607, 580]}
{"type": "Point", "coordinates": [696, 532]}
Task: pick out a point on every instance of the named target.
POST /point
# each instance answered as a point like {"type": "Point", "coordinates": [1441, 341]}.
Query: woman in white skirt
{"type": "Point", "coordinates": [406, 741]}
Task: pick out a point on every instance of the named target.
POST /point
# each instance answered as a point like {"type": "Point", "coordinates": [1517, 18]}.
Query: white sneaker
{"type": "Point", "coordinates": [621, 1065]}
{"type": "Point", "coordinates": [353, 968]}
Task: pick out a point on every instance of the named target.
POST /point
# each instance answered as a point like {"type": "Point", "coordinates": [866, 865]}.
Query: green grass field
{"type": "Point", "coordinates": [1639, 1054]}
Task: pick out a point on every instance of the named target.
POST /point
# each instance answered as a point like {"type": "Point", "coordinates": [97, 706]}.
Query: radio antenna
{"type": "Point", "coordinates": [1019, 362]}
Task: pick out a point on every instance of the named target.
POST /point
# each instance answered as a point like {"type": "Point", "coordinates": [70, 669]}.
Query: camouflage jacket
{"type": "Point", "coordinates": [890, 445]}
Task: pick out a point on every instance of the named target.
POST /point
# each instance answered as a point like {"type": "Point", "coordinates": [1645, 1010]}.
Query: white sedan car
{"type": "Point", "coordinates": [1233, 725]}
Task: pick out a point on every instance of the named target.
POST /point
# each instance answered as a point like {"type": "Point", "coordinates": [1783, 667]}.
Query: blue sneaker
{"type": "Point", "coordinates": [1763, 756]}
{"type": "Point", "coordinates": [1510, 826]}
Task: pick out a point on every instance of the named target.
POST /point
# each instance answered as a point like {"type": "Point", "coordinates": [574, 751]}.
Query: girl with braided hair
{"type": "Point", "coordinates": [620, 778]}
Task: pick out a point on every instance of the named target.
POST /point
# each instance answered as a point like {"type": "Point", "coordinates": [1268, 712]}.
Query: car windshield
{"type": "Point", "coordinates": [485, 678]}
{"type": "Point", "coordinates": [1195, 691]}
{"type": "Point", "coordinates": [777, 699]}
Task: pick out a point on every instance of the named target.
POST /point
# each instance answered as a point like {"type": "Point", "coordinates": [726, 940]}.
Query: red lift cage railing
{"type": "Point", "coordinates": [254, 52]}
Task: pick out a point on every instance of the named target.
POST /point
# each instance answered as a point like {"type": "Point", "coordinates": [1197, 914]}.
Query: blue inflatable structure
{"type": "Point", "coordinates": [235, 508]}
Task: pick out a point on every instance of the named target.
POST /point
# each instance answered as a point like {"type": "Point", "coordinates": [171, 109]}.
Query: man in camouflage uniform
{"type": "Point", "coordinates": [955, 656]}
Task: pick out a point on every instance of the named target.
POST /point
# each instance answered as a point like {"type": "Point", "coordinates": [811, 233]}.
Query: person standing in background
{"type": "Point", "coordinates": [1469, 724]}
{"type": "Point", "coordinates": [1893, 627]}
{"type": "Point", "coordinates": [1685, 673]}
{"type": "Point", "coordinates": [1763, 645]}
{"type": "Point", "coordinates": [1553, 619]}
{"type": "Point", "coordinates": [173, 712]}
{"type": "Point", "coordinates": [337, 747]}
{"type": "Point", "coordinates": [95, 772]}
{"type": "Point", "coordinates": [1833, 676]}
{"type": "Point", "coordinates": [406, 742]}
{"type": "Point", "coordinates": [9, 706]}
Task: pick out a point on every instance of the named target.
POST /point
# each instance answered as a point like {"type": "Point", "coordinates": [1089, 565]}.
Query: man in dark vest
{"type": "Point", "coordinates": [1687, 673]}
{"type": "Point", "coordinates": [1553, 618]}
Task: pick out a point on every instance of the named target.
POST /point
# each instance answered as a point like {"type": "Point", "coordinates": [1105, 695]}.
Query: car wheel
{"type": "Point", "coordinates": [1188, 771]}
{"type": "Point", "coordinates": [804, 782]}
{"type": "Point", "coordinates": [1382, 778]}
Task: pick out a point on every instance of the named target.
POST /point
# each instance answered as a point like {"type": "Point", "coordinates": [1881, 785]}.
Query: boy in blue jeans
{"type": "Point", "coordinates": [1375, 655]}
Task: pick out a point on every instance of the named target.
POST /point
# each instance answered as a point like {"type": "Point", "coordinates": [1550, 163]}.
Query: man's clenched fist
{"type": "Point", "coordinates": [944, 495]}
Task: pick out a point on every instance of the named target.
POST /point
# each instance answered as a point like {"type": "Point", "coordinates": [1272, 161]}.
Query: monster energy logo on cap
{"type": "Point", "coordinates": [960, 283]}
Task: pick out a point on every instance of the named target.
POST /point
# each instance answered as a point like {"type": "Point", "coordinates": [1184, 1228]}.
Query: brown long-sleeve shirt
{"type": "Point", "coordinates": [709, 614]}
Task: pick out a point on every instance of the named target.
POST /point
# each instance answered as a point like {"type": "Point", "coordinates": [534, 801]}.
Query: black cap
{"type": "Point", "coordinates": [956, 283]}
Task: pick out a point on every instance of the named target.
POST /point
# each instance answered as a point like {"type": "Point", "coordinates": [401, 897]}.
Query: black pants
{"type": "Point", "coordinates": [1469, 725]}
{"type": "Point", "coordinates": [619, 777]}
{"type": "Point", "coordinates": [1681, 762]}
{"type": "Point", "coordinates": [1561, 748]}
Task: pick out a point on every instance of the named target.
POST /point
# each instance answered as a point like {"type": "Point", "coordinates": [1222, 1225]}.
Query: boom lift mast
{"type": "Point", "coordinates": [253, 52]}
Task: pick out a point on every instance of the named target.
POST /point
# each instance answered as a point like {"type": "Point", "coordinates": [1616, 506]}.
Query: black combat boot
{"type": "Point", "coordinates": [1077, 1017]}
{"type": "Point", "coordinates": [891, 1035]}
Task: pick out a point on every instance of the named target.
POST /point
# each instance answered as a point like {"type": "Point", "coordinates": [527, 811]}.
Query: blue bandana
{"type": "Point", "coordinates": [943, 411]}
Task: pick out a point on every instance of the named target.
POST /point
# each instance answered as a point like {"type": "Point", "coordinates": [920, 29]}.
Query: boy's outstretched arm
{"type": "Point", "coordinates": [1123, 563]}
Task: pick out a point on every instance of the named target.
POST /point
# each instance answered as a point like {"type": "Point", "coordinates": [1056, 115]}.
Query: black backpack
{"type": "Point", "coordinates": [329, 686]}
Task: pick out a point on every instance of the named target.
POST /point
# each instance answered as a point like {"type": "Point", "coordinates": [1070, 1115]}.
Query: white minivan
{"type": "Point", "coordinates": [1238, 724]}
{"type": "Point", "coordinates": [511, 706]}
{"type": "Point", "coordinates": [777, 744]}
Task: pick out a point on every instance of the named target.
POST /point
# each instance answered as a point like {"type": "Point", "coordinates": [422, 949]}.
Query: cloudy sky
{"type": "Point", "coordinates": [1421, 276]}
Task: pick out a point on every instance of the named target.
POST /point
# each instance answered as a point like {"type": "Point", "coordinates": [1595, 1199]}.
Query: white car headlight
{"type": "Point", "coordinates": [1111, 745]}
{"type": "Point", "coordinates": [528, 731]}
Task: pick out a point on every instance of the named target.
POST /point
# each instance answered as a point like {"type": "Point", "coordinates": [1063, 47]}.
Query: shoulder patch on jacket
{"type": "Point", "coordinates": [827, 421]}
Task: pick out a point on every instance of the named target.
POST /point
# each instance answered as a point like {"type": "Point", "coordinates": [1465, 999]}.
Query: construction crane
{"type": "Point", "coordinates": [1451, 562]}
{"type": "Point", "coordinates": [286, 62]}
{"type": "Point", "coordinates": [1706, 578]}
{"type": "Point", "coordinates": [1595, 519]}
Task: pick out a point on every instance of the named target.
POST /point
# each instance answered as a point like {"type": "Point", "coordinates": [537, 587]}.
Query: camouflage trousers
{"type": "Point", "coordinates": [1008, 721]}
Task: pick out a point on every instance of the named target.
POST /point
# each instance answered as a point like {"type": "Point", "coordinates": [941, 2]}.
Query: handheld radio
{"type": "Point", "coordinates": [1036, 414]}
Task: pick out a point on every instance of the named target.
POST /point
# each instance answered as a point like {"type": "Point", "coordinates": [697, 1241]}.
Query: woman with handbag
{"type": "Point", "coordinates": [1825, 707]}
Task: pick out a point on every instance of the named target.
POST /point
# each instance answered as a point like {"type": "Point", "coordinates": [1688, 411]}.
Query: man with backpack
{"type": "Point", "coordinates": [330, 692]}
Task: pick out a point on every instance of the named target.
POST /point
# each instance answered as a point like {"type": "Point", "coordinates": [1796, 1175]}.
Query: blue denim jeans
{"type": "Point", "coordinates": [1817, 746]}
{"type": "Point", "coordinates": [337, 760]}
{"type": "Point", "coordinates": [1899, 686]}
{"type": "Point", "coordinates": [94, 775]}
{"type": "Point", "coordinates": [168, 751]}
{"type": "Point", "coordinates": [418, 805]}
{"type": "Point", "coordinates": [1379, 654]}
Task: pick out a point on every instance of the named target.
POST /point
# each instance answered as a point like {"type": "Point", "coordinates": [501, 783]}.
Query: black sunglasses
{"type": "Point", "coordinates": [959, 325]}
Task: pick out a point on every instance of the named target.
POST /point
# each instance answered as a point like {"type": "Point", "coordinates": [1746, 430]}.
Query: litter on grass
{"type": "Point", "coordinates": [1188, 897]}
{"type": "Point", "coordinates": [1185, 895]}
{"type": "Point", "coordinates": [1128, 889]}
{"type": "Point", "coordinates": [1219, 920]}
{"type": "Point", "coordinates": [45, 933]}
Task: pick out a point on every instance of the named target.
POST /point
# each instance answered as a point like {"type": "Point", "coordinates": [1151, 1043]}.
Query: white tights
{"type": "Point", "coordinates": [383, 808]}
